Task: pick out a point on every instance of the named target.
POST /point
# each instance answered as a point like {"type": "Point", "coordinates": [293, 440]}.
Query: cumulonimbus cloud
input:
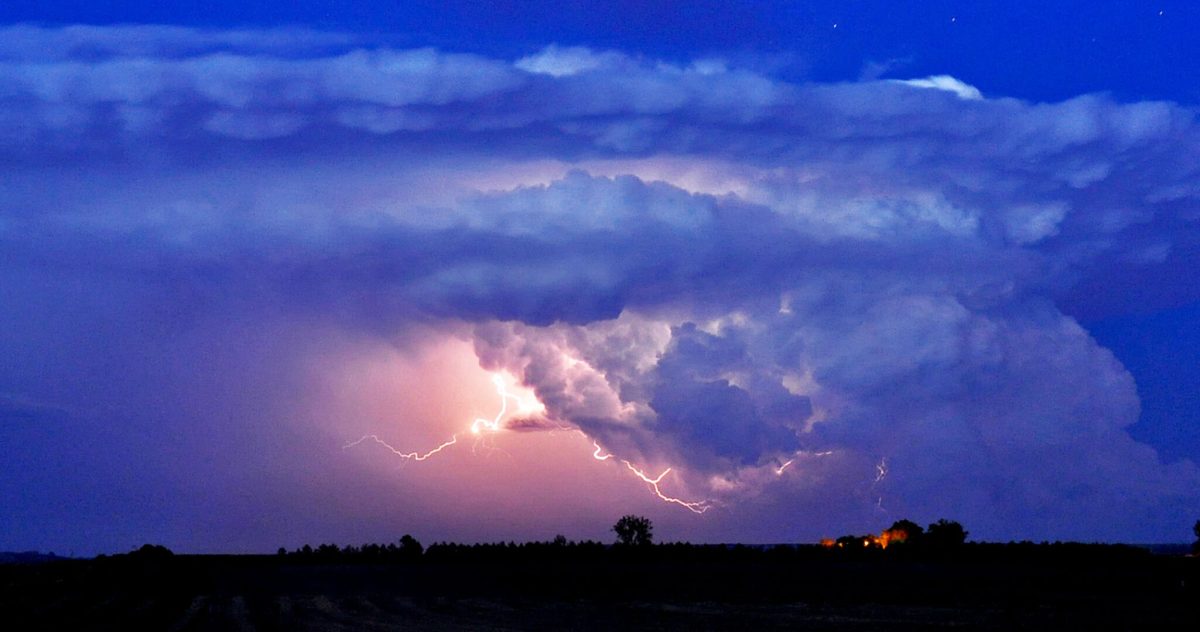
{"type": "Point", "coordinates": [711, 267]}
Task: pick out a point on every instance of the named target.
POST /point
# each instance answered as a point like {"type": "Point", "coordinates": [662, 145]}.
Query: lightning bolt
{"type": "Point", "coordinates": [416, 456]}
{"type": "Point", "coordinates": [788, 463]}
{"type": "Point", "coordinates": [481, 426]}
{"type": "Point", "coordinates": [477, 427]}
{"type": "Point", "coordinates": [697, 507]}
{"type": "Point", "coordinates": [881, 472]}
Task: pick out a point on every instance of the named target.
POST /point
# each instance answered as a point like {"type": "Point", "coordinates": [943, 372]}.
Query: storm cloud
{"type": "Point", "coordinates": [695, 264]}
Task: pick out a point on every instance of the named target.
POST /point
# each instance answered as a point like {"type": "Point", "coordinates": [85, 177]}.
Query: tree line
{"type": "Point", "coordinates": [634, 537]}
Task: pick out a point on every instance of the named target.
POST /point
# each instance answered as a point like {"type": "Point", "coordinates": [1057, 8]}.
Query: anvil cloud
{"type": "Point", "coordinates": [696, 264]}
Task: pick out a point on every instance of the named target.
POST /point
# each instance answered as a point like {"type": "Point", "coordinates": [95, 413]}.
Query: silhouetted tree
{"type": "Point", "coordinates": [634, 530]}
{"type": "Point", "coordinates": [560, 540]}
{"type": "Point", "coordinates": [152, 551]}
{"type": "Point", "coordinates": [1196, 544]}
{"type": "Point", "coordinates": [945, 534]}
{"type": "Point", "coordinates": [409, 547]}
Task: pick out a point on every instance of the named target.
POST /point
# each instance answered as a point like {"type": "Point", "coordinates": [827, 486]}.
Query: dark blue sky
{"type": "Point", "coordinates": [1034, 50]}
{"type": "Point", "coordinates": [853, 261]}
{"type": "Point", "coordinates": [1162, 350]}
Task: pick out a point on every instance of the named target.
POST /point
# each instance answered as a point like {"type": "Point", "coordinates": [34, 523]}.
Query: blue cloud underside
{"type": "Point", "coordinates": [696, 262]}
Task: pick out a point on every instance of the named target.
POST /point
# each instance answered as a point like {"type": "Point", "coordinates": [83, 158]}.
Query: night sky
{"type": "Point", "coordinates": [276, 273]}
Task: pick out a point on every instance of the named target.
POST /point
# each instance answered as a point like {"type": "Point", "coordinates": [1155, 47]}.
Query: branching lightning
{"type": "Point", "coordinates": [881, 472]}
{"type": "Point", "coordinates": [698, 507]}
{"type": "Point", "coordinates": [477, 427]}
{"type": "Point", "coordinates": [416, 456]}
{"type": "Point", "coordinates": [480, 427]}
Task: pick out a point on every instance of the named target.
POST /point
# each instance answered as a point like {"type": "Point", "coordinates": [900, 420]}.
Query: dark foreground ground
{"type": "Point", "coordinates": [976, 587]}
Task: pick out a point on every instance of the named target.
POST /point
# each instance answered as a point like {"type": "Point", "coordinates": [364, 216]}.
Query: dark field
{"type": "Point", "coordinates": [576, 587]}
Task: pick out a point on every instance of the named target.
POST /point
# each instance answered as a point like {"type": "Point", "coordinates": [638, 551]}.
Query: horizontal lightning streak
{"type": "Point", "coordinates": [481, 425]}
{"type": "Point", "coordinates": [477, 427]}
{"type": "Point", "coordinates": [416, 456]}
{"type": "Point", "coordinates": [788, 463]}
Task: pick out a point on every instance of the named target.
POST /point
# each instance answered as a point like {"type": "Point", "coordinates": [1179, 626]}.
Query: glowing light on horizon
{"type": "Point", "coordinates": [481, 426]}
{"type": "Point", "coordinates": [881, 541]}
